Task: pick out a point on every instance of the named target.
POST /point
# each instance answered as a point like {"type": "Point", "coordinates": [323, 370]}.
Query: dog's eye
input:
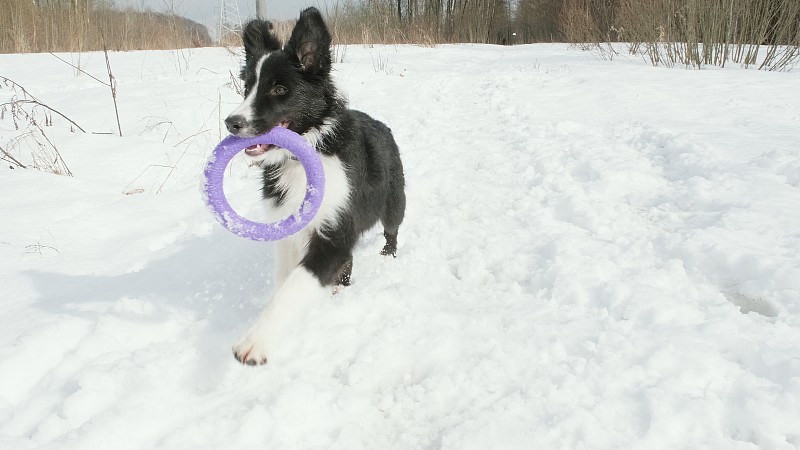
{"type": "Point", "coordinates": [278, 90]}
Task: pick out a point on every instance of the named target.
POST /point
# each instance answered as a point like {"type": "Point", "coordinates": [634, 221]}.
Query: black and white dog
{"type": "Point", "coordinates": [292, 88]}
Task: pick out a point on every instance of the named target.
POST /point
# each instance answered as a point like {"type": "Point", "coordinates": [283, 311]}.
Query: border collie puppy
{"type": "Point", "coordinates": [291, 87]}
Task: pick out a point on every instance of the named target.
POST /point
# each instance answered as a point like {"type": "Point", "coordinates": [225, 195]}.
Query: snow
{"type": "Point", "coordinates": [596, 254]}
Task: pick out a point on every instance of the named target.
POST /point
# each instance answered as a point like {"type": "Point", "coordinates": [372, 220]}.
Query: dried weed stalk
{"type": "Point", "coordinates": [30, 116]}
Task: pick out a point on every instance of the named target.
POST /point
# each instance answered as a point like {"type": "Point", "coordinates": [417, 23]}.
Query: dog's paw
{"type": "Point", "coordinates": [391, 245]}
{"type": "Point", "coordinates": [251, 351]}
{"type": "Point", "coordinates": [389, 250]}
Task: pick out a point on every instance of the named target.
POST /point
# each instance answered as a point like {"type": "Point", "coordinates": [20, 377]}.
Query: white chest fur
{"type": "Point", "coordinates": [292, 179]}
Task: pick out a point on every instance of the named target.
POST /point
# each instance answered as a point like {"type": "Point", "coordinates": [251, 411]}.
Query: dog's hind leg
{"type": "Point", "coordinates": [393, 216]}
{"type": "Point", "coordinates": [390, 248]}
{"type": "Point", "coordinates": [346, 273]}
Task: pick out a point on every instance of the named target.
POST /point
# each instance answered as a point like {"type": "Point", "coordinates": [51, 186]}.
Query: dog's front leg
{"type": "Point", "coordinates": [287, 257]}
{"type": "Point", "coordinates": [298, 291]}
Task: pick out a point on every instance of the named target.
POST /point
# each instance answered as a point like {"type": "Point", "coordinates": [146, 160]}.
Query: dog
{"type": "Point", "coordinates": [291, 87]}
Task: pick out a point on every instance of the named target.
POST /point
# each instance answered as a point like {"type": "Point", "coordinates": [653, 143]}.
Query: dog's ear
{"type": "Point", "coordinates": [310, 44]}
{"type": "Point", "coordinates": [258, 39]}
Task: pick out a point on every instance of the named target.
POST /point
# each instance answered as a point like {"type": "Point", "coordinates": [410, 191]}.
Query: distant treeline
{"type": "Point", "coordinates": [765, 33]}
{"type": "Point", "coordinates": [528, 21]}
{"type": "Point", "coordinates": [667, 32]}
{"type": "Point", "coordinates": [83, 25]}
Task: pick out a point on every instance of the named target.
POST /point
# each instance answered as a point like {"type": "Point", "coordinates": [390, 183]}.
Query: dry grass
{"type": "Point", "coordinates": [30, 116]}
{"type": "Point", "coordinates": [75, 26]}
{"type": "Point", "coordinates": [692, 33]}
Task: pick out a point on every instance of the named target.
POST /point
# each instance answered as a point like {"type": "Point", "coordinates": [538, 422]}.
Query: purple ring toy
{"type": "Point", "coordinates": [215, 197]}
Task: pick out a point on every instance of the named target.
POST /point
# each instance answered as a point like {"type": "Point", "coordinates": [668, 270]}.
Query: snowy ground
{"type": "Point", "coordinates": [595, 255]}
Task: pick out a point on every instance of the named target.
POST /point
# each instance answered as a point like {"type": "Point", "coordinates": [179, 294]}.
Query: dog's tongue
{"type": "Point", "coordinates": [258, 149]}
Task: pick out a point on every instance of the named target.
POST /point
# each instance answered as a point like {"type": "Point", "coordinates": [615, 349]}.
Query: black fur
{"type": "Point", "coordinates": [295, 89]}
{"type": "Point", "coordinates": [270, 189]}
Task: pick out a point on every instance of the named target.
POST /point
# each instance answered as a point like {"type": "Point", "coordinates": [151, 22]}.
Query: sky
{"type": "Point", "coordinates": [207, 12]}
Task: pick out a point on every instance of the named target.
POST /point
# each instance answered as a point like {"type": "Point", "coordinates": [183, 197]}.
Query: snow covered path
{"type": "Point", "coordinates": [595, 255]}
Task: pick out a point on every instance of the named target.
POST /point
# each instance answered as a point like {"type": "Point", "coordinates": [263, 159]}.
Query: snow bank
{"type": "Point", "coordinates": [596, 255]}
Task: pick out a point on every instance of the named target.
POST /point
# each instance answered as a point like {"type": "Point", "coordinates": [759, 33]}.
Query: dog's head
{"type": "Point", "coordinates": [287, 87]}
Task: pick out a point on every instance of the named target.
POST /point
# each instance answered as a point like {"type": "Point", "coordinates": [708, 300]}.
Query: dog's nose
{"type": "Point", "coordinates": [235, 123]}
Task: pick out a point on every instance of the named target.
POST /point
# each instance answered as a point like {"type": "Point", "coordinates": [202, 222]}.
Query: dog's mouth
{"type": "Point", "coordinates": [260, 149]}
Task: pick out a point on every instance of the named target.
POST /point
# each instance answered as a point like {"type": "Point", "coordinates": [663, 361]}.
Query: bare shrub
{"type": "Point", "coordinates": [578, 23]}
{"type": "Point", "coordinates": [761, 33]}
{"type": "Point", "coordinates": [29, 117]}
